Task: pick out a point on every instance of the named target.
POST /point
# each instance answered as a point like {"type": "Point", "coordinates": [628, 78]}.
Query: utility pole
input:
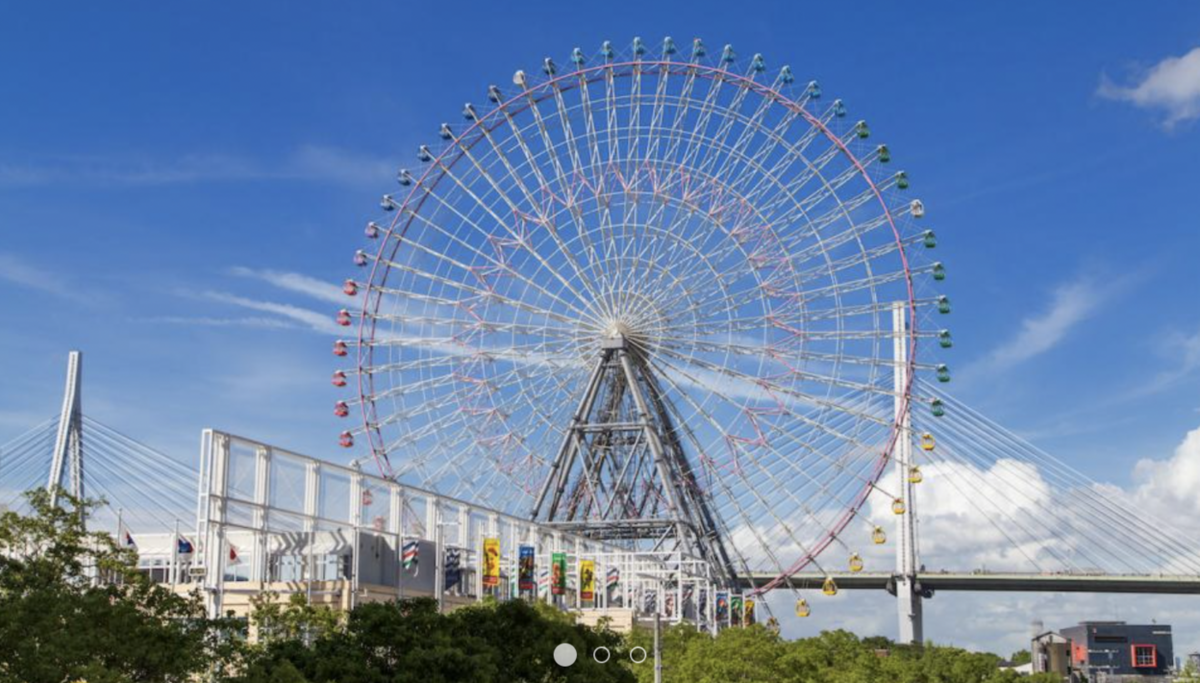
{"type": "Point", "coordinates": [907, 597]}
{"type": "Point", "coordinates": [657, 647]}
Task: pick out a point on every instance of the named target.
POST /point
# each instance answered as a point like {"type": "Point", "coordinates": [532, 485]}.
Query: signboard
{"type": "Point", "coordinates": [491, 562]}
{"type": "Point", "coordinates": [587, 580]}
{"type": "Point", "coordinates": [525, 569]}
{"type": "Point", "coordinates": [558, 574]}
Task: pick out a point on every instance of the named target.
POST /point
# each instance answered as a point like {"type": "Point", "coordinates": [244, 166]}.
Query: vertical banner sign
{"type": "Point", "coordinates": [558, 574]}
{"type": "Point", "coordinates": [409, 553]}
{"type": "Point", "coordinates": [735, 610]}
{"type": "Point", "coordinates": [587, 580]}
{"type": "Point", "coordinates": [749, 612]}
{"type": "Point", "coordinates": [453, 567]}
{"type": "Point", "coordinates": [525, 569]}
{"type": "Point", "coordinates": [722, 608]}
{"type": "Point", "coordinates": [491, 562]}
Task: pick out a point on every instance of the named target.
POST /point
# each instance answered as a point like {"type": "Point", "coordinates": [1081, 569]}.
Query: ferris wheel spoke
{"type": "Point", "coordinates": [737, 243]}
{"type": "Point", "coordinates": [750, 522]}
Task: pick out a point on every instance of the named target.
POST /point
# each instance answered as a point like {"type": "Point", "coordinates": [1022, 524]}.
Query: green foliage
{"type": "Point", "coordinates": [295, 619]}
{"type": "Point", "coordinates": [409, 641]}
{"type": "Point", "coordinates": [73, 606]}
{"type": "Point", "coordinates": [1020, 657]}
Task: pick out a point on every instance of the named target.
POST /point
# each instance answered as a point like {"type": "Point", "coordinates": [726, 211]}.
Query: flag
{"type": "Point", "coordinates": [722, 608]}
{"type": "Point", "coordinates": [735, 608]}
{"type": "Point", "coordinates": [587, 580]}
{"type": "Point", "coordinates": [543, 581]}
{"type": "Point", "coordinates": [453, 567]}
{"type": "Point", "coordinates": [124, 537]}
{"type": "Point", "coordinates": [651, 601]}
{"type": "Point", "coordinates": [409, 554]}
{"type": "Point", "coordinates": [525, 569]}
{"type": "Point", "coordinates": [491, 562]}
{"type": "Point", "coordinates": [183, 545]}
{"type": "Point", "coordinates": [558, 574]}
{"type": "Point", "coordinates": [669, 605]}
{"type": "Point", "coordinates": [614, 577]}
{"type": "Point", "coordinates": [749, 618]}
{"type": "Point", "coordinates": [233, 554]}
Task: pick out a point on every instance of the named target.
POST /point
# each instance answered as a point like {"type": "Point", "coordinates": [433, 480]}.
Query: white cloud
{"type": "Point", "coordinates": [296, 282]}
{"type": "Point", "coordinates": [20, 272]}
{"type": "Point", "coordinates": [1172, 86]}
{"type": "Point", "coordinates": [1070, 305]}
{"type": "Point", "coordinates": [1173, 484]}
{"type": "Point", "coordinates": [306, 163]}
{"type": "Point", "coordinates": [203, 321]}
{"type": "Point", "coordinates": [319, 322]}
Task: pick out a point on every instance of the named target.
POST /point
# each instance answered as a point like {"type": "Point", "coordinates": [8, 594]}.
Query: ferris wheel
{"type": "Point", "coordinates": [648, 295]}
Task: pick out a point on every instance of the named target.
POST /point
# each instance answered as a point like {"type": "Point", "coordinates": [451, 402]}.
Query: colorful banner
{"type": "Point", "coordinates": [491, 562]}
{"type": "Point", "coordinates": [614, 577]}
{"type": "Point", "coordinates": [749, 618]}
{"type": "Point", "coordinates": [736, 606]}
{"type": "Point", "coordinates": [722, 608]}
{"type": "Point", "coordinates": [453, 567]}
{"type": "Point", "coordinates": [409, 553]}
{"type": "Point", "coordinates": [587, 580]}
{"type": "Point", "coordinates": [558, 574]}
{"type": "Point", "coordinates": [525, 569]}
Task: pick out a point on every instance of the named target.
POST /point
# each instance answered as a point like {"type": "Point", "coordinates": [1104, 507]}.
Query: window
{"type": "Point", "coordinates": [1145, 656]}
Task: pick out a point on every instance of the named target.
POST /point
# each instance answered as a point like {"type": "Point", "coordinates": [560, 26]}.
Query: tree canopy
{"type": "Point", "coordinates": [73, 607]}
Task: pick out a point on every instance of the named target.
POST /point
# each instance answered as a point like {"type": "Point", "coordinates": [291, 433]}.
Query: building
{"type": "Point", "coordinates": [1104, 649]}
{"type": "Point", "coordinates": [1050, 652]}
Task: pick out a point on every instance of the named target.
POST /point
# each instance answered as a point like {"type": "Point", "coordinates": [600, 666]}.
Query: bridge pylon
{"type": "Point", "coordinates": [68, 442]}
{"type": "Point", "coordinates": [908, 590]}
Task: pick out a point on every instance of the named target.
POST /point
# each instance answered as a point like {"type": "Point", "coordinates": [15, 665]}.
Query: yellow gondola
{"type": "Point", "coordinates": [898, 506]}
{"type": "Point", "coordinates": [914, 475]}
{"type": "Point", "coordinates": [927, 442]}
{"type": "Point", "coordinates": [878, 536]}
{"type": "Point", "coordinates": [829, 587]}
{"type": "Point", "coordinates": [802, 609]}
{"type": "Point", "coordinates": [856, 563]}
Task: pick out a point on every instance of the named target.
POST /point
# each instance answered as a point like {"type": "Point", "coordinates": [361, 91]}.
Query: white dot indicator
{"type": "Point", "coordinates": [596, 655]}
{"type": "Point", "coordinates": [633, 658]}
{"type": "Point", "coordinates": [565, 654]}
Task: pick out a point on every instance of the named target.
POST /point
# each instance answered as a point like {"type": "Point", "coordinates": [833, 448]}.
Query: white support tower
{"type": "Point", "coordinates": [908, 594]}
{"type": "Point", "coordinates": [68, 443]}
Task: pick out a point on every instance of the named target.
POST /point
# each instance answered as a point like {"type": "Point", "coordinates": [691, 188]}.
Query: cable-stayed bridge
{"type": "Point", "coordinates": [252, 515]}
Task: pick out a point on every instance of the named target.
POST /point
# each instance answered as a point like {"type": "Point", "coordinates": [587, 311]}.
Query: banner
{"type": "Point", "coordinates": [722, 608]}
{"type": "Point", "coordinates": [749, 618]}
{"type": "Point", "coordinates": [525, 569]}
{"type": "Point", "coordinates": [409, 553]}
{"type": "Point", "coordinates": [558, 574]}
{"type": "Point", "coordinates": [735, 609]}
{"type": "Point", "coordinates": [587, 580]}
{"type": "Point", "coordinates": [491, 562]}
{"type": "Point", "coordinates": [614, 577]}
{"type": "Point", "coordinates": [453, 567]}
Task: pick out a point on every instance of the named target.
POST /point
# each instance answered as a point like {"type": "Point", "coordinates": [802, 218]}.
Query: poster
{"type": "Point", "coordinates": [587, 580]}
{"type": "Point", "coordinates": [453, 567]}
{"type": "Point", "coordinates": [491, 562]}
{"type": "Point", "coordinates": [749, 618]}
{"type": "Point", "coordinates": [722, 608]}
{"type": "Point", "coordinates": [525, 569]}
{"type": "Point", "coordinates": [558, 574]}
{"type": "Point", "coordinates": [735, 610]}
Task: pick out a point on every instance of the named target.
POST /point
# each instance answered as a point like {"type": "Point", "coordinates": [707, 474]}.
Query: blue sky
{"type": "Point", "coordinates": [162, 171]}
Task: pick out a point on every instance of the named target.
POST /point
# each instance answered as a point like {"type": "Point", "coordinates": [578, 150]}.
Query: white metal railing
{"type": "Point", "coordinates": [268, 515]}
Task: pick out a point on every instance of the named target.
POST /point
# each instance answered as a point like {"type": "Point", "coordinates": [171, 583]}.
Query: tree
{"type": "Point", "coordinates": [1020, 657]}
{"type": "Point", "coordinates": [409, 641]}
{"type": "Point", "coordinates": [73, 606]}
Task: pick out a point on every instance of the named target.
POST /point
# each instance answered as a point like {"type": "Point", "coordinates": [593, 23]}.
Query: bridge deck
{"type": "Point", "coordinates": [1008, 582]}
